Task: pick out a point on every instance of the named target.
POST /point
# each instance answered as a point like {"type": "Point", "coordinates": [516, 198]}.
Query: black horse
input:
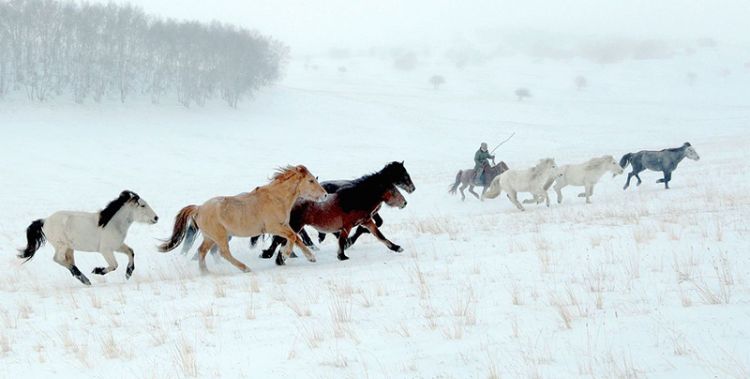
{"type": "Point", "coordinates": [350, 198]}
{"type": "Point", "coordinates": [665, 161]}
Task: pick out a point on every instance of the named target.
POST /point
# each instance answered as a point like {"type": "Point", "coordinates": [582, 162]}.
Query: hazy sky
{"type": "Point", "coordinates": [310, 26]}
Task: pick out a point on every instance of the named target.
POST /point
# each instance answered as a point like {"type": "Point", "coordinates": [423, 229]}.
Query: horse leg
{"type": "Point", "coordinates": [342, 244]}
{"type": "Point", "coordinates": [636, 171]}
{"type": "Point", "coordinates": [321, 237]}
{"type": "Point", "coordinates": [627, 183]}
{"type": "Point", "coordinates": [667, 178]}
{"type": "Point", "coordinates": [357, 233]}
{"type": "Point", "coordinates": [291, 237]}
{"type": "Point", "coordinates": [558, 191]}
{"type": "Point", "coordinates": [64, 257]}
{"type": "Point", "coordinates": [306, 239]}
{"type": "Point", "coordinates": [587, 193]}
{"type": "Point", "coordinates": [462, 188]}
{"type": "Point", "coordinates": [109, 256]}
{"type": "Point", "coordinates": [203, 249]}
{"type": "Point", "coordinates": [127, 250]}
{"type": "Point", "coordinates": [226, 254]}
{"type": "Point", "coordinates": [378, 221]}
{"type": "Point", "coordinates": [471, 189]}
{"type": "Point", "coordinates": [370, 225]}
{"type": "Point", "coordinates": [513, 196]}
{"type": "Point", "coordinates": [275, 242]}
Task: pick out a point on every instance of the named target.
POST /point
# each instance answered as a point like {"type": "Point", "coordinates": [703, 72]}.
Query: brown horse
{"type": "Point", "coordinates": [263, 210]}
{"type": "Point", "coordinates": [328, 216]}
{"type": "Point", "coordinates": [352, 205]}
{"type": "Point", "coordinates": [465, 178]}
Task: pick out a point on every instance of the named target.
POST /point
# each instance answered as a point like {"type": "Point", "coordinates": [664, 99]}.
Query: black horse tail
{"type": "Point", "coordinates": [625, 160]}
{"type": "Point", "coordinates": [455, 185]}
{"type": "Point", "coordinates": [35, 239]}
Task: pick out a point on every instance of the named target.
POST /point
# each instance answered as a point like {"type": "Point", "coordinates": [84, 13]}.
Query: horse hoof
{"type": "Point", "coordinates": [292, 255]}
{"type": "Point", "coordinates": [266, 255]}
{"type": "Point", "coordinates": [399, 249]}
{"type": "Point", "coordinates": [280, 261]}
{"type": "Point", "coordinates": [342, 257]}
{"type": "Point", "coordinates": [99, 271]}
{"type": "Point", "coordinates": [311, 259]}
{"type": "Point", "coordinates": [129, 272]}
{"type": "Point", "coordinates": [314, 248]}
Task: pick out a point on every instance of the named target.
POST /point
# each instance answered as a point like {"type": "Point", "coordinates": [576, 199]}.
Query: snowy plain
{"type": "Point", "coordinates": [641, 283]}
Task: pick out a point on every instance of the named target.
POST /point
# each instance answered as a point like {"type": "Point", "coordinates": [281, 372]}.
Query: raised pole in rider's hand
{"type": "Point", "coordinates": [501, 143]}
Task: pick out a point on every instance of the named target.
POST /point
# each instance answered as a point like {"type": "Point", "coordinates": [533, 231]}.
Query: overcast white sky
{"type": "Point", "coordinates": [310, 25]}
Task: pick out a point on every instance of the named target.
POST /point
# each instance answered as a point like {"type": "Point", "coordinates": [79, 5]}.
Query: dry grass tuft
{"type": "Point", "coordinates": [186, 359]}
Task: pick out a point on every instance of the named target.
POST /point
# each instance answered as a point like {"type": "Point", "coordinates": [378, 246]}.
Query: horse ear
{"type": "Point", "coordinates": [402, 163]}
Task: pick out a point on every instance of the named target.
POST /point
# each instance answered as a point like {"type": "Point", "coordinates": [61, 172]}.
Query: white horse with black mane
{"type": "Point", "coordinates": [585, 174]}
{"type": "Point", "coordinates": [102, 232]}
{"type": "Point", "coordinates": [531, 180]}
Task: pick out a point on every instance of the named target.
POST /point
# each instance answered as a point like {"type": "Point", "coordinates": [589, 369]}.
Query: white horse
{"type": "Point", "coordinates": [585, 175]}
{"type": "Point", "coordinates": [528, 180]}
{"type": "Point", "coordinates": [102, 232]}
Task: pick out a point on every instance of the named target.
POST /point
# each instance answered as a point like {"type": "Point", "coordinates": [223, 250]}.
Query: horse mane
{"type": "Point", "coordinates": [366, 191]}
{"type": "Point", "coordinates": [283, 174]}
{"type": "Point", "coordinates": [540, 167]}
{"type": "Point", "coordinates": [595, 163]}
{"type": "Point", "coordinates": [106, 214]}
{"type": "Point", "coordinates": [676, 149]}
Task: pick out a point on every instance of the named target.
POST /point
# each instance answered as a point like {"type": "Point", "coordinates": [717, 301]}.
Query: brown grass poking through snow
{"type": "Point", "coordinates": [185, 359]}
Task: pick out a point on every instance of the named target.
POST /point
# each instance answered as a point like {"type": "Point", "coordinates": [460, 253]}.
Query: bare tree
{"type": "Point", "coordinates": [581, 82]}
{"type": "Point", "coordinates": [94, 51]}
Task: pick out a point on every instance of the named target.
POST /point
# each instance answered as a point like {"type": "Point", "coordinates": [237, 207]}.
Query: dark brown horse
{"type": "Point", "coordinates": [465, 178]}
{"type": "Point", "coordinates": [350, 206]}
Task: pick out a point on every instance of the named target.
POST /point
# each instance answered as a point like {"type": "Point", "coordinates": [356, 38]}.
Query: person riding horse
{"type": "Point", "coordinates": [481, 160]}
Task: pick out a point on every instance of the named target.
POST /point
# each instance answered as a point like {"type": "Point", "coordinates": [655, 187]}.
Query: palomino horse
{"type": "Point", "coordinates": [350, 206]}
{"type": "Point", "coordinates": [263, 210]}
{"type": "Point", "coordinates": [665, 161]}
{"type": "Point", "coordinates": [465, 178]}
{"type": "Point", "coordinates": [102, 232]}
{"type": "Point", "coordinates": [330, 186]}
{"type": "Point", "coordinates": [585, 175]}
{"type": "Point", "coordinates": [530, 180]}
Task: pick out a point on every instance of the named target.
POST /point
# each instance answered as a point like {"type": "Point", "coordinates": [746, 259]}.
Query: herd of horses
{"type": "Point", "coordinates": [294, 199]}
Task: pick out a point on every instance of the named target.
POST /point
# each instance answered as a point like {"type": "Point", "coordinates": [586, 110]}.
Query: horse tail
{"type": "Point", "coordinates": [494, 190]}
{"type": "Point", "coordinates": [35, 238]}
{"type": "Point", "coordinates": [190, 234]}
{"type": "Point", "coordinates": [455, 185]}
{"type": "Point", "coordinates": [181, 221]}
{"type": "Point", "coordinates": [625, 160]}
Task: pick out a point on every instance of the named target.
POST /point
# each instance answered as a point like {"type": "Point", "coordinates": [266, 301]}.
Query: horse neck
{"type": "Point", "coordinates": [122, 219]}
{"type": "Point", "coordinates": [287, 191]}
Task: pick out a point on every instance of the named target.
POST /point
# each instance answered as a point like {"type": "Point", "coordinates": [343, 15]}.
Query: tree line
{"type": "Point", "coordinates": [50, 48]}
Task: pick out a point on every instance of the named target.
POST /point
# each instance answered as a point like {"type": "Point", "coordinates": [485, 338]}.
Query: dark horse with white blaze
{"type": "Point", "coordinates": [465, 178]}
{"type": "Point", "coordinates": [353, 204]}
{"type": "Point", "coordinates": [665, 161]}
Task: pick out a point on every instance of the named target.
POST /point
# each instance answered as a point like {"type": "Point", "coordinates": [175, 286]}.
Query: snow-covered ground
{"type": "Point", "coordinates": [642, 283]}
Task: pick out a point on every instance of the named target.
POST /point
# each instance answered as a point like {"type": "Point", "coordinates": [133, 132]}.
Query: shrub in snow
{"type": "Point", "coordinates": [437, 81]}
{"type": "Point", "coordinates": [522, 93]}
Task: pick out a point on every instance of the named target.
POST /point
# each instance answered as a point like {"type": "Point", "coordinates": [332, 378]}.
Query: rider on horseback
{"type": "Point", "coordinates": [481, 160]}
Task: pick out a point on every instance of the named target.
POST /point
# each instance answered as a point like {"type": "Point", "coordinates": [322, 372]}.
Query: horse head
{"type": "Point", "coordinates": [397, 174]}
{"type": "Point", "coordinates": [309, 188]}
{"type": "Point", "coordinates": [394, 198]}
{"type": "Point", "coordinates": [690, 152]}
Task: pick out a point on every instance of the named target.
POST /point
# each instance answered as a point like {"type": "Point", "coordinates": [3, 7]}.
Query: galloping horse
{"type": "Point", "coordinates": [583, 175]}
{"type": "Point", "coordinates": [263, 210]}
{"type": "Point", "coordinates": [530, 180]}
{"type": "Point", "coordinates": [665, 161]}
{"type": "Point", "coordinates": [350, 206]}
{"type": "Point", "coordinates": [332, 186]}
{"type": "Point", "coordinates": [102, 232]}
{"type": "Point", "coordinates": [465, 178]}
